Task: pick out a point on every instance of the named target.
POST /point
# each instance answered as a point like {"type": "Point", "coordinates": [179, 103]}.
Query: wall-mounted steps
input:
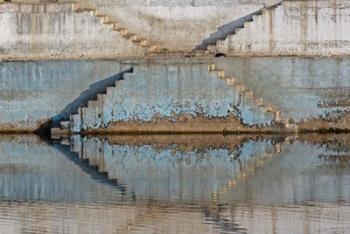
{"type": "Point", "coordinates": [210, 44]}
{"type": "Point", "coordinates": [92, 111]}
{"type": "Point", "coordinates": [170, 93]}
{"type": "Point", "coordinates": [248, 97]}
{"type": "Point", "coordinates": [115, 26]}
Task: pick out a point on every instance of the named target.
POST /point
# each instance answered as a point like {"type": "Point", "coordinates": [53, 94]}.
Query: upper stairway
{"type": "Point", "coordinates": [289, 28]}
{"type": "Point", "coordinates": [110, 21]}
{"type": "Point", "coordinates": [224, 32]}
{"type": "Point", "coordinates": [172, 27]}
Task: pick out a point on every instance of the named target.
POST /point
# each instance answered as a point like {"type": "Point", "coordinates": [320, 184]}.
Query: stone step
{"type": "Point", "coordinates": [100, 97]}
{"type": "Point", "coordinates": [107, 20]}
{"type": "Point", "coordinates": [137, 38]}
{"type": "Point", "coordinates": [118, 84]}
{"type": "Point", "coordinates": [145, 43]}
{"type": "Point", "coordinates": [57, 132]}
{"type": "Point", "coordinates": [212, 49]}
{"type": "Point", "coordinates": [255, 17]}
{"type": "Point", "coordinates": [277, 116]}
{"type": "Point", "coordinates": [79, 7]}
{"type": "Point", "coordinates": [247, 24]}
{"type": "Point", "coordinates": [99, 14]}
{"type": "Point", "coordinates": [124, 32]}
{"type": "Point", "coordinates": [110, 90]}
{"type": "Point", "coordinates": [118, 28]}
{"type": "Point", "coordinates": [65, 124]}
{"type": "Point", "coordinates": [211, 67]}
{"type": "Point", "coordinates": [231, 81]}
{"type": "Point", "coordinates": [92, 103]}
{"type": "Point", "coordinates": [237, 30]}
{"type": "Point", "coordinates": [240, 88]}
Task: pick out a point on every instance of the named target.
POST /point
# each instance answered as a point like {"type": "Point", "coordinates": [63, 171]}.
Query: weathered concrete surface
{"type": "Point", "coordinates": [298, 28]}
{"type": "Point", "coordinates": [173, 25]}
{"type": "Point", "coordinates": [305, 90]}
{"type": "Point", "coordinates": [32, 93]}
{"type": "Point", "coordinates": [52, 31]}
{"type": "Point", "coordinates": [170, 98]}
{"type": "Point", "coordinates": [173, 94]}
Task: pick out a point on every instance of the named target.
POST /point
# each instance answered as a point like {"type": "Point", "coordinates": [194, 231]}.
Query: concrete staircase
{"type": "Point", "coordinates": [246, 94]}
{"type": "Point", "coordinates": [210, 44]}
{"type": "Point", "coordinates": [93, 111]}
{"type": "Point", "coordinates": [115, 26]}
{"type": "Point", "coordinates": [118, 103]}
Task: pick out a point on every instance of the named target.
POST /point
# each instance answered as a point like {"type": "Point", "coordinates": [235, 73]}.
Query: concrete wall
{"type": "Point", "coordinates": [170, 97]}
{"type": "Point", "coordinates": [54, 31]}
{"type": "Point", "coordinates": [301, 88]}
{"type": "Point", "coordinates": [175, 25]}
{"type": "Point", "coordinates": [35, 30]}
{"type": "Point", "coordinates": [305, 28]}
{"type": "Point", "coordinates": [34, 92]}
{"type": "Point", "coordinates": [174, 90]}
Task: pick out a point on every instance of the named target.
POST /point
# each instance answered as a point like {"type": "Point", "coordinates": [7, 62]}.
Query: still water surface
{"type": "Point", "coordinates": [175, 184]}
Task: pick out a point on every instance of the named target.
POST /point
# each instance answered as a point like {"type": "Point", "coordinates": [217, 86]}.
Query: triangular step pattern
{"type": "Point", "coordinates": [248, 99]}
{"type": "Point", "coordinates": [115, 26]}
{"type": "Point", "coordinates": [135, 98]}
{"type": "Point", "coordinates": [126, 163]}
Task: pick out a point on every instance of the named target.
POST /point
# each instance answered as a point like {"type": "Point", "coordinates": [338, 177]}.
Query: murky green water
{"type": "Point", "coordinates": [175, 184]}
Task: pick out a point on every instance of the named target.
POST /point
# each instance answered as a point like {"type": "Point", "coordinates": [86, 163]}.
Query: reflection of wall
{"type": "Point", "coordinates": [102, 218]}
{"type": "Point", "coordinates": [171, 173]}
{"type": "Point", "coordinates": [31, 170]}
{"type": "Point", "coordinates": [300, 173]}
{"type": "Point", "coordinates": [290, 219]}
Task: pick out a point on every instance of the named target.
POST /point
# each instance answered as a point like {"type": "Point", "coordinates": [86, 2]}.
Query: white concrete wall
{"type": "Point", "coordinates": [54, 31]}
{"type": "Point", "coordinates": [176, 28]}
{"type": "Point", "coordinates": [295, 28]}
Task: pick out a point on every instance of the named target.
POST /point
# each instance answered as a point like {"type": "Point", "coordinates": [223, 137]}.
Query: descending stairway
{"type": "Point", "coordinates": [210, 44]}
{"type": "Point", "coordinates": [94, 109]}
{"type": "Point", "coordinates": [248, 95]}
{"type": "Point", "coordinates": [118, 103]}
{"type": "Point", "coordinates": [115, 26]}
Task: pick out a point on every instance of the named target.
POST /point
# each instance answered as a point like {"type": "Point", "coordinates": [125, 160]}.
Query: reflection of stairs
{"type": "Point", "coordinates": [224, 32]}
{"type": "Point", "coordinates": [94, 110]}
{"type": "Point", "coordinates": [248, 170]}
{"type": "Point", "coordinates": [247, 95]}
{"type": "Point", "coordinates": [109, 21]}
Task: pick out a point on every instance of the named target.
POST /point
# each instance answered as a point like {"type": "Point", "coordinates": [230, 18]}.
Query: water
{"type": "Point", "coordinates": [175, 184]}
